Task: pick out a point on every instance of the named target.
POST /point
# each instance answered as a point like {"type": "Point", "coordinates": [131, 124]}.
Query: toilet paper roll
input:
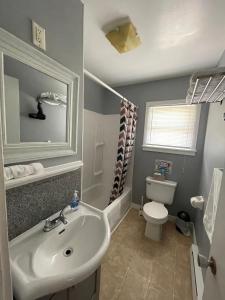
{"type": "Point", "coordinates": [197, 202]}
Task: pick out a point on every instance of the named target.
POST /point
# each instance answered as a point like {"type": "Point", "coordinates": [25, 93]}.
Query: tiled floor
{"type": "Point", "coordinates": [136, 268]}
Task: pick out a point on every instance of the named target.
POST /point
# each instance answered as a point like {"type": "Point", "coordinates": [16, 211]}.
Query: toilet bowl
{"type": "Point", "coordinates": [154, 212]}
{"type": "Point", "coordinates": [155, 215]}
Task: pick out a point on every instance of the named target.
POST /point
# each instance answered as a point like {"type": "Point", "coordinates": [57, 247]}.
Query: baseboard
{"type": "Point", "coordinates": [196, 274]}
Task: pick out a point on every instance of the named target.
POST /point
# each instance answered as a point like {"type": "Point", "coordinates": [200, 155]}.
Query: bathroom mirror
{"type": "Point", "coordinates": [39, 99]}
{"type": "Point", "coordinates": [35, 105]}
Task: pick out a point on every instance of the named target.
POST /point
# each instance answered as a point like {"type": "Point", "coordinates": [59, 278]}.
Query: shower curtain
{"type": "Point", "coordinates": [128, 120]}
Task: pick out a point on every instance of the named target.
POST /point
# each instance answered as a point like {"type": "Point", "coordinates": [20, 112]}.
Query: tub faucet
{"type": "Point", "coordinates": [51, 224]}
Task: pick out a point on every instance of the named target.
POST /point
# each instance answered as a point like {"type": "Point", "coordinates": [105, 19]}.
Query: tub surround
{"type": "Point", "coordinates": [29, 204]}
{"type": "Point", "coordinates": [105, 129]}
{"type": "Point", "coordinates": [103, 117]}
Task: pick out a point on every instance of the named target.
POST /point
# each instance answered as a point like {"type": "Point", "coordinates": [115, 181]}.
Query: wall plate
{"type": "Point", "coordinates": [38, 36]}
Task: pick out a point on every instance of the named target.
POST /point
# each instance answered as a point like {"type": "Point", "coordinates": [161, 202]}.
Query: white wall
{"type": "Point", "coordinates": [111, 135]}
{"type": "Point", "coordinates": [93, 133]}
{"type": "Point", "coordinates": [99, 128]}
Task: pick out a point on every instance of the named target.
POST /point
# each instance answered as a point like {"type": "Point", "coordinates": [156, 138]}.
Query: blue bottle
{"type": "Point", "coordinates": [75, 201]}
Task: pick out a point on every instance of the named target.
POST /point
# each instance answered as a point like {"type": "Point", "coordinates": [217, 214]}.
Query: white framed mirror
{"type": "Point", "coordinates": [38, 101]}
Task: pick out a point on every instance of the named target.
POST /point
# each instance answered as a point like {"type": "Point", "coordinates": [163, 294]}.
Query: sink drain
{"type": "Point", "coordinates": [67, 252]}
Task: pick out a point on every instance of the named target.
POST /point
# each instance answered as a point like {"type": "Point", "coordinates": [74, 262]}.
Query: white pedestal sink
{"type": "Point", "coordinates": [46, 262]}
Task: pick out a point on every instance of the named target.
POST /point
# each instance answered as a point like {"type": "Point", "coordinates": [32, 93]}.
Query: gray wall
{"type": "Point", "coordinates": [93, 96]}
{"type": "Point", "coordinates": [99, 99]}
{"type": "Point", "coordinates": [186, 169]}
{"type": "Point", "coordinates": [213, 157]}
{"type": "Point", "coordinates": [112, 103]}
{"type": "Point", "coordinates": [64, 39]}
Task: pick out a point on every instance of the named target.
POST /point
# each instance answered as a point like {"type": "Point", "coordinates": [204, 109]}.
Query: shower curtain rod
{"type": "Point", "coordinates": [96, 79]}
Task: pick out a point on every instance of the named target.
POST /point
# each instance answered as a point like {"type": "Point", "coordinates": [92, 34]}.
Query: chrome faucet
{"type": "Point", "coordinates": [51, 224]}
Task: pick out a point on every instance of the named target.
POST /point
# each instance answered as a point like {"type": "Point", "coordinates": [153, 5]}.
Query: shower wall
{"type": "Point", "coordinates": [100, 148]}
{"type": "Point", "coordinates": [100, 140]}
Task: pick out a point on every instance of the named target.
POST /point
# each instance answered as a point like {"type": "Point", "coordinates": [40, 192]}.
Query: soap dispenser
{"type": "Point", "coordinates": [75, 201]}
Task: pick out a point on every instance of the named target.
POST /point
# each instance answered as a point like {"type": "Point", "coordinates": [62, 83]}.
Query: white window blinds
{"type": "Point", "coordinates": [171, 126]}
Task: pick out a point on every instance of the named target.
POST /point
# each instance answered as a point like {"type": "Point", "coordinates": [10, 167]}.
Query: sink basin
{"type": "Point", "coordinates": [46, 262]}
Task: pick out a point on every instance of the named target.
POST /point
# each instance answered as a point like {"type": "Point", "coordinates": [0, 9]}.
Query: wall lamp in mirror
{"type": "Point", "coordinates": [50, 99]}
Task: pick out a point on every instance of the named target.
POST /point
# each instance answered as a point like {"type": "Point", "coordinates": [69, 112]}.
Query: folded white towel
{"type": "Point", "coordinates": [37, 167]}
{"type": "Point", "coordinates": [18, 171]}
{"type": "Point", "coordinates": [8, 173]}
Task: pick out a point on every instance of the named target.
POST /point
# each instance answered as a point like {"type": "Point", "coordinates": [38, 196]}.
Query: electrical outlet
{"type": "Point", "coordinates": [38, 36]}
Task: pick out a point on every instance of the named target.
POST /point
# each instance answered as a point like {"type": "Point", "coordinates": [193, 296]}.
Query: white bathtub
{"type": "Point", "coordinates": [97, 197]}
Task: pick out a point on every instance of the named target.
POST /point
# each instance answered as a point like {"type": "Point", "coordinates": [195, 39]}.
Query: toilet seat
{"type": "Point", "coordinates": [155, 212]}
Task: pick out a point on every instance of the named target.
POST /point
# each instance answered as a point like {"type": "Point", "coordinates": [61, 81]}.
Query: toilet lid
{"type": "Point", "coordinates": [155, 210]}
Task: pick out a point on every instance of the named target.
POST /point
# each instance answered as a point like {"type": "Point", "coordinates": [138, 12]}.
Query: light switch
{"type": "Point", "coordinates": [38, 36]}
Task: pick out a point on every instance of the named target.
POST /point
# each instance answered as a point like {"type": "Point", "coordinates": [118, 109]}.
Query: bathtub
{"type": "Point", "coordinates": [96, 196]}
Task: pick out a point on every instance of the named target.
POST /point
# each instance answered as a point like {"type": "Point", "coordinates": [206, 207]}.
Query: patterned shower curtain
{"type": "Point", "coordinates": [128, 120]}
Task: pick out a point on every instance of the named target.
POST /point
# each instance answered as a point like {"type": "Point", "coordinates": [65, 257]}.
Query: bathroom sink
{"type": "Point", "coordinates": [46, 262]}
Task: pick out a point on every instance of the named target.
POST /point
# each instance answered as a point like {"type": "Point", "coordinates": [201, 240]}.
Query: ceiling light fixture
{"type": "Point", "coordinates": [124, 37]}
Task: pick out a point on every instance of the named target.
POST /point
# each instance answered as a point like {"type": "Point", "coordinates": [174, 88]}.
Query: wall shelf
{"type": "Point", "coordinates": [48, 172]}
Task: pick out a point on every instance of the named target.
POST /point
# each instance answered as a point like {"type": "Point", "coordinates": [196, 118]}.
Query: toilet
{"type": "Point", "coordinates": [154, 212]}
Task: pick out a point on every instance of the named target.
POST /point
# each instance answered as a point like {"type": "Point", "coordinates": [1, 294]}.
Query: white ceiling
{"type": "Point", "coordinates": [178, 37]}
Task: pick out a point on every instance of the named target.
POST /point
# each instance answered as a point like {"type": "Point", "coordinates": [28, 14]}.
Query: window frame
{"type": "Point", "coordinates": [167, 149]}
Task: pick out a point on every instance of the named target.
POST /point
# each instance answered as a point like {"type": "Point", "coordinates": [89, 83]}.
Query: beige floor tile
{"type": "Point", "coordinates": [110, 252]}
{"type": "Point", "coordinates": [183, 240]}
{"type": "Point", "coordinates": [182, 283]}
{"type": "Point", "coordinates": [134, 288]}
{"type": "Point", "coordinates": [111, 283]}
{"type": "Point", "coordinates": [183, 256]}
{"type": "Point", "coordinates": [162, 278]}
{"type": "Point", "coordinates": [141, 265]}
{"type": "Point", "coordinates": [158, 294]}
{"type": "Point", "coordinates": [120, 260]}
{"type": "Point", "coordinates": [135, 267]}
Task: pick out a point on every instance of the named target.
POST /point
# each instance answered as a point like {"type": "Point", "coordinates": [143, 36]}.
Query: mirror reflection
{"type": "Point", "coordinates": [35, 105]}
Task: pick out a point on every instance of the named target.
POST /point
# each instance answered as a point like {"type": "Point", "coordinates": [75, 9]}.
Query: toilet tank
{"type": "Point", "coordinates": [160, 191]}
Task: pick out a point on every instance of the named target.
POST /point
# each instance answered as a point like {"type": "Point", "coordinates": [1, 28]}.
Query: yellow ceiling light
{"type": "Point", "coordinates": [124, 37]}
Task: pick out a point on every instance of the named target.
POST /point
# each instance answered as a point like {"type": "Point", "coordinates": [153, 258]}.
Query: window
{"type": "Point", "coordinates": [171, 127]}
